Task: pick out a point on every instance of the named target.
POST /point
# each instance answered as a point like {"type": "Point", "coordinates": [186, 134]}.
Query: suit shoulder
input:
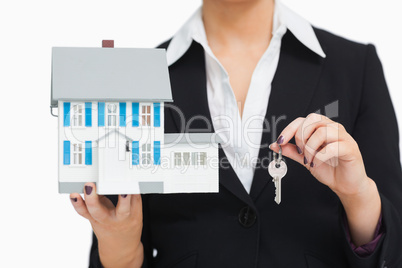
{"type": "Point", "coordinates": [335, 40]}
{"type": "Point", "coordinates": [335, 45]}
{"type": "Point", "coordinates": [340, 49]}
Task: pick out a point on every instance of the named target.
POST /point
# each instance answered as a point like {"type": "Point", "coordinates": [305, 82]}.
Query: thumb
{"type": "Point", "coordinates": [288, 150]}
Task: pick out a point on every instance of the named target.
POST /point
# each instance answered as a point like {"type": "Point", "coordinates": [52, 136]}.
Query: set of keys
{"type": "Point", "coordinates": [277, 169]}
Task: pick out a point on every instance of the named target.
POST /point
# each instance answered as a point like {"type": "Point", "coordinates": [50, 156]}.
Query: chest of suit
{"type": "Point", "coordinates": [236, 229]}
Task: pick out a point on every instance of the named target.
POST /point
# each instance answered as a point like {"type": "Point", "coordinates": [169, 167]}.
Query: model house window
{"type": "Point", "coordinates": [77, 154]}
{"type": "Point", "coordinates": [146, 154]}
{"type": "Point", "coordinates": [198, 158]}
{"type": "Point", "coordinates": [77, 115]}
{"type": "Point", "coordinates": [146, 115]}
{"type": "Point", "coordinates": [186, 159]}
{"type": "Point", "coordinates": [177, 159]}
{"type": "Point", "coordinates": [195, 158]}
{"type": "Point", "coordinates": [202, 158]}
{"type": "Point", "coordinates": [111, 114]}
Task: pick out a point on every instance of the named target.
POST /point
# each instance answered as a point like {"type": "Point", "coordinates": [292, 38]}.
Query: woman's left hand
{"type": "Point", "coordinates": [327, 151]}
{"type": "Point", "coordinates": [333, 158]}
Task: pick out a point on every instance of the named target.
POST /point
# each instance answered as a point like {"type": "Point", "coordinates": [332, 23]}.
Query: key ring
{"type": "Point", "coordinates": [278, 160]}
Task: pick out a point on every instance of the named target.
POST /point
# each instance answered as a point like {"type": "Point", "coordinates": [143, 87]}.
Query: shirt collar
{"type": "Point", "coordinates": [193, 29]}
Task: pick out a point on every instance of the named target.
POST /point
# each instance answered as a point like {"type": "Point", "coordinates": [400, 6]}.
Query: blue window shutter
{"type": "Point", "coordinates": [66, 108]}
{"type": "Point", "coordinates": [66, 153]}
{"type": "Point", "coordinates": [101, 114]}
{"type": "Point", "coordinates": [136, 114]}
{"type": "Point", "coordinates": [157, 152]}
{"type": "Point", "coordinates": [136, 152]}
{"type": "Point", "coordinates": [88, 152]}
{"type": "Point", "coordinates": [157, 114]}
{"type": "Point", "coordinates": [88, 114]}
{"type": "Point", "coordinates": [122, 114]}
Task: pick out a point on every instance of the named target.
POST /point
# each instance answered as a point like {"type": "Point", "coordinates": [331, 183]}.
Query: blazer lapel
{"type": "Point", "coordinates": [190, 104]}
{"type": "Point", "coordinates": [293, 87]}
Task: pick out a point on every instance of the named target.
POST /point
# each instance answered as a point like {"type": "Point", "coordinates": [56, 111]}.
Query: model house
{"type": "Point", "coordinates": [111, 125]}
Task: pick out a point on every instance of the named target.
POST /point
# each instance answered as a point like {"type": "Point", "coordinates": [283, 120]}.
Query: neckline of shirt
{"type": "Point", "coordinates": [193, 29]}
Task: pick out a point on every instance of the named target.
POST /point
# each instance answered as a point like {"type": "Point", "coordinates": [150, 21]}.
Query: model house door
{"type": "Point", "coordinates": [116, 162]}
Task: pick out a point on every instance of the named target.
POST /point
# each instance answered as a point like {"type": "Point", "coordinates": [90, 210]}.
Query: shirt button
{"type": "Point", "coordinates": [247, 217]}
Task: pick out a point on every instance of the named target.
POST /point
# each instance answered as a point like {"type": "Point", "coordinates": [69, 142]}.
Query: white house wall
{"type": "Point", "coordinates": [166, 177]}
{"type": "Point", "coordinates": [120, 176]}
{"type": "Point", "coordinates": [189, 178]}
{"type": "Point", "coordinates": [89, 173]}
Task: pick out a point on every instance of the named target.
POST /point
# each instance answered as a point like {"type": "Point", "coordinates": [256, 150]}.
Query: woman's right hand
{"type": "Point", "coordinates": [118, 229]}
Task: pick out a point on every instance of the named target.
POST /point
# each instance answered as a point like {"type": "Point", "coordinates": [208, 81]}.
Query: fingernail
{"type": "Point", "coordinates": [280, 140]}
{"type": "Point", "coordinates": [74, 199]}
{"type": "Point", "coordinates": [298, 149]}
{"type": "Point", "coordinates": [311, 164]}
{"type": "Point", "coordinates": [124, 195]}
{"type": "Point", "coordinates": [305, 161]}
{"type": "Point", "coordinates": [88, 189]}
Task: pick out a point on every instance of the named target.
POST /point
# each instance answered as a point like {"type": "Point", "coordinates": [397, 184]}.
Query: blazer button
{"type": "Point", "coordinates": [247, 217]}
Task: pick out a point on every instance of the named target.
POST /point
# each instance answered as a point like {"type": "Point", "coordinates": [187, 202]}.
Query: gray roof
{"type": "Point", "coordinates": [192, 138]}
{"type": "Point", "coordinates": [109, 74]}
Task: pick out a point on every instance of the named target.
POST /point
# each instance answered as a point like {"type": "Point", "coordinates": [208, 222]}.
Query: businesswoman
{"type": "Point", "coordinates": [319, 96]}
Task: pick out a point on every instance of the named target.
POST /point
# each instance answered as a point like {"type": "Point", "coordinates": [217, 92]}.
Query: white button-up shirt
{"type": "Point", "coordinates": [242, 135]}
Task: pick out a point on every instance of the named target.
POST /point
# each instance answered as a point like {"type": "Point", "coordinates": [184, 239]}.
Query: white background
{"type": "Point", "coordinates": [39, 227]}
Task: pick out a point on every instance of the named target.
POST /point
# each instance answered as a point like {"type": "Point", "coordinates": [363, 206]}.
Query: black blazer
{"type": "Point", "coordinates": [236, 229]}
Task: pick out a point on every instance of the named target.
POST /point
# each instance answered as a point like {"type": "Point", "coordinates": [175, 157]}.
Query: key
{"type": "Point", "coordinates": [277, 172]}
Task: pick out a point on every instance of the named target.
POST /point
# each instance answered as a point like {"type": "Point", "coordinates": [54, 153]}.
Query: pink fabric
{"type": "Point", "coordinates": [366, 249]}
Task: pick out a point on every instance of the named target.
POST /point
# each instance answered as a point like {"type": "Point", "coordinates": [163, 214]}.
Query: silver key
{"type": "Point", "coordinates": [277, 169]}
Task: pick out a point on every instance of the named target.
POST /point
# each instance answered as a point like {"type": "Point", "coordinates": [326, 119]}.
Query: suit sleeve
{"type": "Point", "coordinates": [376, 132]}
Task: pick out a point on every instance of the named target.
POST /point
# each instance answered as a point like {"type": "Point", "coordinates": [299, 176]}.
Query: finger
{"type": "Point", "coordinates": [123, 207]}
{"type": "Point", "coordinates": [95, 207]}
{"type": "Point", "coordinates": [289, 131]}
{"type": "Point", "coordinates": [321, 136]}
{"type": "Point", "coordinates": [136, 206]}
{"type": "Point", "coordinates": [80, 206]}
{"type": "Point", "coordinates": [305, 130]}
{"type": "Point", "coordinates": [288, 150]}
{"type": "Point", "coordinates": [331, 153]}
